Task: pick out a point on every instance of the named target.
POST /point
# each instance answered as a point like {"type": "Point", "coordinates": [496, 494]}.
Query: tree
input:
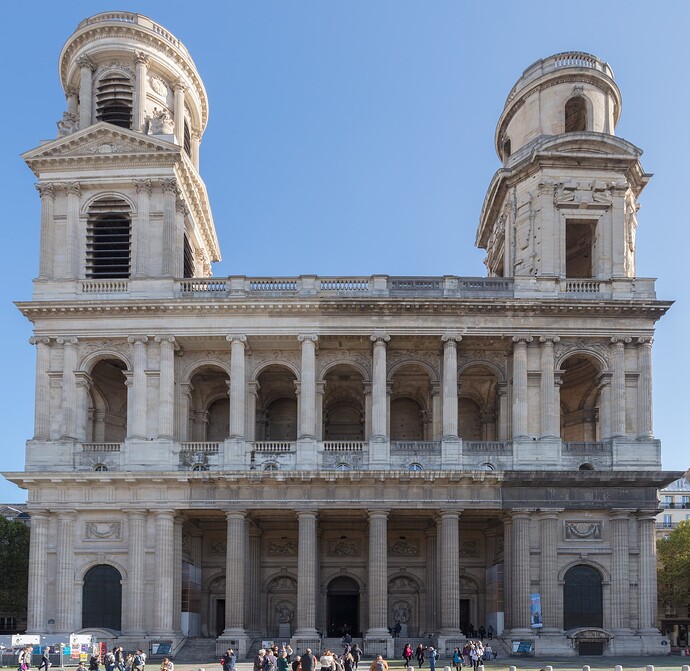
{"type": "Point", "coordinates": [14, 566]}
{"type": "Point", "coordinates": [673, 554]}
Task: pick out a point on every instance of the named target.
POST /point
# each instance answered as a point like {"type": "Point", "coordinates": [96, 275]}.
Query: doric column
{"type": "Point", "coordinates": [133, 622]}
{"type": "Point", "coordinates": [72, 227]}
{"type": "Point", "coordinates": [379, 400]}
{"type": "Point", "coordinates": [253, 591]}
{"type": "Point", "coordinates": [549, 409]}
{"type": "Point", "coordinates": [644, 392]}
{"type": "Point", "coordinates": [306, 574]}
{"type": "Point", "coordinates": [42, 399]}
{"type": "Point", "coordinates": [235, 562]}
{"type": "Point", "coordinates": [177, 574]}
{"type": "Point", "coordinates": [433, 598]}
{"type": "Point", "coordinates": [618, 386]}
{"type": "Point", "coordinates": [86, 69]}
{"type": "Point", "coordinates": [548, 573]}
{"type": "Point", "coordinates": [307, 406]}
{"type": "Point", "coordinates": [163, 585]}
{"type": "Point", "coordinates": [141, 230]}
{"type": "Point", "coordinates": [141, 61]}
{"type": "Point", "coordinates": [196, 142]}
{"type": "Point", "coordinates": [38, 572]}
{"type": "Point", "coordinates": [179, 88]}
{"type": "Point", "coordinates": [520, 571]}
{"type": "Point", "coordinates": [69, 387]}
{"type": "Point", "coordinates": [378, 574]}
{"type": "Point", "coordinates": [166, 386]}
{"type": "Point", "coordinates": [45, 259]}
{"type": "Point", "coordinates": [520, 385]}
{"type": "Point", "coordinates": [138, 395]}
{"type": "Point", "coordinates": [64, 572]}
{"type": "Point", "coordinates": [238, 385]}
{"type": "Point", "coordinates": [450, 385]}
{"type": "Point", "coordinates": [449, 552]}
{"type": "Point", "coordinates": [620, 569]}
{"type": "Point", "coordinates": [170, 191]}
{"type": "Point", "coordinates": [508, 571]}
{"type": "Point", "coordinates": [647, 578]}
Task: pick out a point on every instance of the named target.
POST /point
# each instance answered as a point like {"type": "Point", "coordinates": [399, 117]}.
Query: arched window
{"type": "Point", "coordinates": [114, 96]}
{"type": "Point", "coordinates": [415, 467]}
{"type": "Point", "coordinates": [575, 115]}
{"type": "Point", "coordinates": [102, 598]}
{"type": "Point", "coordinates": [108, 239]}
{"type": "Point", "coordinates": [100, 467]}
{"type": "Point", "coordinates": [582, 601]}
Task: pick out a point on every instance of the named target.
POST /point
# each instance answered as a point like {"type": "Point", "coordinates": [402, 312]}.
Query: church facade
{"type": "Point", "coordinates": [273, 458]}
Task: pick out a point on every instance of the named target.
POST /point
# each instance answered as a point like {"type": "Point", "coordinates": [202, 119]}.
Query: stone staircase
{"type": "Point", "coordinates": [335, 644]}
{"type": "Point", "coordinates": [201, 650]}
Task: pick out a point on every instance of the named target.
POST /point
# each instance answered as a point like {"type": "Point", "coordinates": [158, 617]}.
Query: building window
{"type": "Point", "coordinates": [187, 141]}
{"type": "Point", "coordinates": [579, 248]}
{"type": "Point", "coordinates": [8, 624]}
{"type": "Point", "coordinates": [114, 96]}
{"type": "Point", "coordinates": [415, 467]}
{"type": "Point", "coordinates": [100, 467]}
{"type": "Point", "coordinates": [188, 265]}
{"type": "Point", "coordinates": [108, 239]}
{"type": "Point", "coordinates": [667, 522]}
{"type": "Point", "coordinates": [576, 115]}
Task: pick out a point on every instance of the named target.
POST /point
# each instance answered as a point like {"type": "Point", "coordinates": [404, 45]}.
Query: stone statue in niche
{"type": "Point", "coordinates": [160, 122]}
{"type": "Point", "coordinates": [401, 612]}
{"type": "Point", "coordinates": [68, 124]}
{"type": "Point", "coordinates": [284, 613]}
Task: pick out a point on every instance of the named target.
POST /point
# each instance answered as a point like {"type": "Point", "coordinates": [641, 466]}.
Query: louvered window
{"type": "Point", "coordinates": [108, 239]}
{"type": "Point", "coordinates": [188, 259]}
{"type": "Point", "coordinates": [114, 96]}
{"type": "Point", "coordinates": [187, 140]}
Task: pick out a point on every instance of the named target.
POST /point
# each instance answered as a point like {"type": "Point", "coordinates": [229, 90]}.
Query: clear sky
{"type": "Point", "coordinates": [356, 137]}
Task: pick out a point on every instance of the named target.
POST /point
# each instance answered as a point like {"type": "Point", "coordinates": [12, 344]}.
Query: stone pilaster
{"type": "Point", "coordinates": [450, 386]}
{"type": "Point", "coordinates": [379, 393]}
{"type": "Point", "coordinates": [253, 591]}
{"type": "Point", "coordinates": [45, 259]}
{"type": "Point", "coordinates": [163, 586]}
{"type": "Point", "coordinates": [133, 616]}
{"type": "Point", "coordinates": [306, 575]}
{"type": "Point", "coordinates": [177, 574]}
{"type": "Point", "coordinates": [508, 572]}
{"type": "Point", "coordinates": [552, 611]}
{"type": "Point", "coordinates": [449, 552]}
{"type": "Point", "coordinates": [238, 387]}
{"type": "Point", "coordinates": [69, 387]}
{"type": "Point", "coordinates": [138, 394]}
{"type": "Point", "coordinates": [433, 599]}
{"type": "Point", "coordinates": [307, 406]}
{"type": "Point", "coordinates": [141, 61]}
{"type": "Point", "coordinates": [644, 392]}
{"type": "Point", "coordinates": [503, 414]}
{"type": "Point", "coordinates": [141, 229]}
{"type": "Point", "coordinates": [620, 570]}
{"type": "Point", "coordinates": [618, 386]}
{"type": "Point", "coordinates": [549, 403]}
{"type": "Point", "coordinates": [647, 578]}
{"type": "Point", "coordinates": [86, 69]}
{"type": "Point", "coordinates": [73, 190]}
{"type": "Point", "coordinates": [181, 214]}
{"type": "Point", "coordinates": [520, 405]}
{"type": "Point", "coordinates": [378, 574]}
{"type": "Point", "coordinates": [166, 386]}
{"type": "Point", "coordinates": [42, 399]}
{"type": "Point", "coordinates": [83, 383]}
{"type": "Point", "coordinates": [64, 573]}
{"type": "Point", "coordinates": [520, 575]}
{"type": "Point", "coordinates": [604, 383]}
{"type": "Point", "coordinates": [38, 572]}
{"type": "Point", "coordinates": [235, 563]}
{"type": "Point", "coordinates": [179, 89]}
{"type": "Point", "coordinates": [252, 397]}
{"type": "Point", "coordinates": [170, 193]}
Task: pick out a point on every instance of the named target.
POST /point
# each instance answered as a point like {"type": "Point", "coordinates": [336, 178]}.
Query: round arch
{"type": "Point", "coordinates": [482, 363]}
{"type": "Point", "coordinates": [343, 604]}
{"type": "Point", "coordinates": [187, 373]}
{"type": "Point", "coordinates": [362, 370]}
{"type": "Point", "coordinates": [90, 360]}
{"type": "Point", "coordinates": [412, 361]}
{"type": "Point", "coordinates": [101, 605]}
{"type": "Point", "coordinates": [583, 602]}
{"type": "Point", "coordinates": [261, 368]}
{"type": "Point", "coordinates": [597, 359]}
{"type": "Point", "coordinates": [101, 195]}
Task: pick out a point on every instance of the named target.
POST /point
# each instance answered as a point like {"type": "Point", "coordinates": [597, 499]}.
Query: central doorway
{"type": "Point", "coordinates": [343, 607]}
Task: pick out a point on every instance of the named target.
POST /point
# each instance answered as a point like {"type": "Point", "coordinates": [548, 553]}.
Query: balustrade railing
{"type": "Point", "coordinates": [584, 447]}
{"type": "Point", "coordinates": [345, 284]}
{"type": "Point", "coordinates": [273, 446]}
{"type": "Point", "coordinates": [104, 286]}
{"type": "Point", "coordinates": [203, 285]}
{"type": "Point", "coordinates": [492, 446]}
{"type": "Point", "coordinates": [581, 286]}
{"type": "Point", "coordinates": [101, 447]}
{"type": "Point", "coordinates": [416, 446]}
{"type": "Point", "coordinates": [273, 285]}
{"type": "Point", "coordinates": [196, 446]}
{"type": "Point", "coordinates": [343, 445]}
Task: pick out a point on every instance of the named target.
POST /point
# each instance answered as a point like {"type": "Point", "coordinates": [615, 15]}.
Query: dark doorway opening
{"type": "Point", "coordinates": [590, 648]}
{"type": "Point", "coordinates": [343, 607]}
{"type": "Point", "coordinates": [582, 601]}
{"type": "Point", "coordinates": [102, 598]}
{"type": "Point", "coordinates": [220, 617]}
{"type": "Point", "coordinates": [465, 616]}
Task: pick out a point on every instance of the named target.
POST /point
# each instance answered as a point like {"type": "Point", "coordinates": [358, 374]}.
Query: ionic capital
{"type": "Point", "coordinates": [645, 341]}
{"type": "Point", "coordinates": [549, 339]}
{"type": "Point", "coordinates": [165, 340]}
{"type": "Point", "coordinates": [137, 339]}
{"type": "Point", "coordinates": [621, 341]}
{"type": "Point", "coordinates": [379, 337]}
{"type": "Point", "coordinates": [39, 340]}
{"type": "Point", "coordinates": [67, 340]}
{"type": "Point", "coordinates": [308, 337]}
{"type": "Point", "coordinates": [522, 339]}
{"type": "Point", "coordinates": [451, 339]}
{"type": "Point", "coordinates": [237, 337]}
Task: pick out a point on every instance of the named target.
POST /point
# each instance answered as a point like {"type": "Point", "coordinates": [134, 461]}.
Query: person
{"type": "Point", "coordinates": [119, 658]}
{"type": "Point", "coordinates": [379, 664]}
{"type": "Point", "coordinates": [259, 660]}
{"type": "Point", "coordinates": [308, 661]}
{"type": "Point", "coordinates": [270, 661]}
{"type": "Point", "coordinates": [490, 632]}
{"type": "Point", "coordinates": [167, 665]}
{"type": "Point", "coordinates": [433, 656]}
{"type": "Point", "coordinates": [282, 663]}
{"type": "Point", "coordinates": [296, 663]}
{"type": "Point", "coordinates": [109, 661]}
{"type": "Point", "coordinates": [407, 654]}
{"type": "Point", "coordinates": [138, 662]}
{"type": "Point", "coordinates": [94, 662]}
{"type": "Point", "coordinates": [489, 654]}
{"type": "Point", "coordinates": [287, 648]}
{"type": "Point", "coordinates": [327, 662]}
{"type": "Point", "coordinates": [356, 653]}
{"type": "Point", "coordinates": [397, 629]}
{"type": "Point", "coordinates": [348, 661]}
{"type": "Point", "coordinates": [482, 632]}
{"type": "Point", "coordinates": [23, 660]}
{"type": "Point", "coordinates": [45, 659]}
{"type": "Point", "coordinates": [457, 658]}
{"type": "Point", "coordinates": [228, 660]}
{"type": "Point", "coordinates": [129, 662]}
{"type": "Point", "coordinates": [475, 655]}
{"type": "Point", "coordinates": [420, 654]}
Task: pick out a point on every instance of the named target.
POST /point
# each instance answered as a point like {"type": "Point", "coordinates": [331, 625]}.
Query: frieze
{"type": "Point", "coordinates": [217, 548]}
{"type": "Point", "coordinates": [282, 583]}
{"type": "Point", "coordinates": [469, 549]}
{"type": "Point", "coordinates": [103, 531]}
{"type": "Point", "coordinates": [282, 549]}
{"type": "Point", "coordinates": [582, 530]}
{"type": "Point", "coordinates": [403, 548]}
{"type": "Point", "coordinates": [343, 548]}
{"type": "Point", "coordinates": [402, 584]}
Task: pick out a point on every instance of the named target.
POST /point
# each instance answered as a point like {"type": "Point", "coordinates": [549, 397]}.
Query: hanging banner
{"type": "Point", "coordinates": [535, 611]}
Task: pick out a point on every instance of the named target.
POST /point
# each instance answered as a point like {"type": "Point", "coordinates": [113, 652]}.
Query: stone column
{"type": "Point", "coordinates": [433, 598]}
{"type": "Point", "coordinates": [181, 214]}
{"type": "Point", "coordinates": [133, 616]}
{"type": "Point", "coordinates": [644, 392]}
{"type": "Point", "coordinates": [253, 591]}
{"type": "Point", "coordinates": [164, 584]}
{"type": "Point", "coordinates": [141, 61]}
{"type": "Point", "coordinates": [185, 399]}
{"type": "Point", "coordinates": [196, 142]}
{"type": "Point", "coordinates": [235, 562]}
{"type": "Point", "coordinates": [307, 590]}
{"type": "Point", "coordinates": [64, 572]}
{"type": "Point", "coordinates": [503, 414]}
{"type": "Point", "coordinates": [86, 69]}
{"type": "Point", "coordinates": [238, 384]}
{"type": "Point", "coordinates": [604, 383]}
{"type": "Point", "coordinates": [69, 387]}
{"type": "Point", "coordinates": [177, 574]}
{"type": "Point", "coordinates": [618, 386]}
{"type": "Point", "coordinates": [520, 574]}
{"type": "Point", "coordinates": [377, 590]}
{"type": "Point", "coordinates": [38, 572]}
{"type": "Point", "coordinates": [253, 395]}
{"type": "Point", "coordinates": [647, 577]}
{"type": "Point", "coordinates": [42, 399]}
{"type": "Point", "coordinates": [138, 396]}
{"type": "Point", "coordinates": [450, 386]}
{"type": "Point", "coordinates": [549, 409]}
{"type": "Point", "coordinates": [179, 88]}
{"type": "Point", "coordinates": [307, 415]}
{"type": "Point", "coordinates": [72, 230]}
{"type": "Point", "coordinates": [170, 192]}
{"type": "Point", "coordinates": [83, 383]}
{"type": "Point", "coordinates": [449, 552]}
{"type": "Point", "coordinates": [520, 405]}
{"type": "Point", "coordinates": [552, 613]}
{"type": "Point", "coordinates": [507, 573]}
{"type": "Point", "coordinates": [72, 97]}
{"type": "Point", "coordinates": [141, 229]}
{"type": "Point", "coordinates": [379, 402]}
{"type": "Point", "coordinates": [45, 259]}
{"type": "Point", "coordinates": [620, 569]}
{"type": "Point", "coordinates": [166, 387]}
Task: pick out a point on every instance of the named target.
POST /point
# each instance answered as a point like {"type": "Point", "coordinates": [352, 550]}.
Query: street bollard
{"type": "Point", "coordinates": [685, 667]}
{"type": "Point", "coordinates": [618, 668]}
{"type": "Point", "coordinates": [586, 668]}
{"type": "Point", "coordinates": [650, 667]}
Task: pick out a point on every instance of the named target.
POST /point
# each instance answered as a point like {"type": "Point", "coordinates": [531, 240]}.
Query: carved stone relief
{"type": "Point", "coordinates": [469, 549]}
{"type": "Point", "coordinates": [282, 548]}
{"type": "Point", "coordinates": [403, 548]}
{"type": "Point", "coordinates": [343, 548]}
{"type": "Point", "coordinates": [582, 530]}
{"type": "Point", "coordinates": [103, 531]}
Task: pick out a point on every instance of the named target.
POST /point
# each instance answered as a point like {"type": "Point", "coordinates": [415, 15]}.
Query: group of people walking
{"type": "Point", "coordinates": [281, 659]}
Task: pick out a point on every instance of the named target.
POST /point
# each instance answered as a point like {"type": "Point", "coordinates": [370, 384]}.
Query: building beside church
{"type": "Point", "coordinates": [252, 458]}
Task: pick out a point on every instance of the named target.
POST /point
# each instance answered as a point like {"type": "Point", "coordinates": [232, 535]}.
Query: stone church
{"type": "Point", "coordinates": [246, 459]}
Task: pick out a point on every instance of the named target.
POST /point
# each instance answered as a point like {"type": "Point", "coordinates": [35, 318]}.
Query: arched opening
{"type": "Point", "coordinates": [576, 115]}
{"type": "Point", "coordinates": [276, 415]}
{"type": "Point", "coordinates": [107, 420]}
{"type": "Point", "coordinates": [410, 407]}
{"type": "Point", "coordinates": [218, 420]}
{"type": "Point", "coordinates": [506, 149]}
{"type": "Point", "coordinates": [282, 604]}
{"type": "Point", "coordinates": [404, 603]}
{"type": "Point", "coordinates": [108, 239]}
{"type": "Point", "coordinates": [579, 397]}
{"type": "Point", "coordinates": [343, 606]}
{"type": "Point", "coordinates": [477, 406]}
{"type": "Point", "coordinates": [102, 598]}
{"type": "Point", "coordinates": [114, 96]}
{"type": "Point", "coordinates": [582, 598]}
{"type": "Point", "coordinates": [343, 404]}
{"type": "Point", "coordinates": [210, 406]}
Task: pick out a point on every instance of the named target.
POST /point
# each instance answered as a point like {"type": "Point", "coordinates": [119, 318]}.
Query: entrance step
{"type": "Point", "coordinates": [336, 644]}
{"type": "Point", "coordinates": [201, 650]}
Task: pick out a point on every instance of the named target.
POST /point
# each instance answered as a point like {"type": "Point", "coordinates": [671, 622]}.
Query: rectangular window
{"type": "Point", "coordinates": [667, 521]}
{"type": "Point", "coordinates": [579, 248]}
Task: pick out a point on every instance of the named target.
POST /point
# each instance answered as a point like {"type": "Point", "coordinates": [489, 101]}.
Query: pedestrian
{"type": "Point", "coordinates": [490, 632]}
{"type": "Point", "coordinates": [379, 664]}
{"type": "Point", "coordinates": [326, 661]}
{"type": "Point", "coordinates": [457, 659]}
{"type": "Point", "coordinates": [356, 653]}
{"type": "Point", "coordinates": [420, 654]}
{"type": "Point", "coordinates": [45, 660]}
{"type": "Point", "coordinates": [282, 663]}
{"type": "Point", "coordinates": [297, 663]}
{"type": "Point", "coordinates": [407, 654]}
{"type": "Point", "coordinates": [228, 660]}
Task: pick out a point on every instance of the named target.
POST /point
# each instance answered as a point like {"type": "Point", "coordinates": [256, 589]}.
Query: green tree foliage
{"type": "Point", "coordinates": [14, 565]}
{"type": "Point", "coordinates": [673, 554]}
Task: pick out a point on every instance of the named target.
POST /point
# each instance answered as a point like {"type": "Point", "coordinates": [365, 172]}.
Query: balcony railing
{"type": "Point", "coordinates": [101, 447]}
{"type": "Point", "coordinates": [488, 446]}
{"type": "Point", "coordinates": [416, 447]}
{"type": "Point", "coordinates": [344, 445]}
{"type": "Point", "coordinates": [584, 447]}
{"type": "Point", "coordinates": [273, 446]}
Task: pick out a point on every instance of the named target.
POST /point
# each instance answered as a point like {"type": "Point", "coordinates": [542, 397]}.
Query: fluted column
{"type": "Point", "coordinates": [177, 574]}
{"type": "Point", "coordinates": [166, 386]}
{"type": "Point", "coordinates": [508, 572]}
{"type": "Point", "coordinates": [433, 598]}
{"type": "Point", "coordinates": [163, 585]}
{"type": "Point", "coordinates": [138, 395]}
{"type": "Point", "coordinates": [520, 405]}
{"type": "Point", "coordinates": [141, 229]}
{"type": "Point", "coordinates": [72, 230]}
{"type": "Point", "coordinates": [72, 97]}
{"type": "Point", "coordinates": [38, 572]}
{"type": "Point", "coordinates": [170, 191]}
{"type": "Point", "coordinates": [306, 574]}
{"type": "Point", "coordinates": [379, 394]}
{"type": "Point", "coordinates": [604, 384]}
{"type": "Point", "coordinates": [620, 569]}
{"type": "Point", "coordinates": [86, 68]}
{"type": "Point", "coordinates": [644, 392]}
{"type": "Point", "coordinates": [548, 571]}
{"type": "Point", "coordinates": [647, 577]}
{"type": "Point", "coordinates": [69, 387]}
{"type": "Point", "coordinates": [520, 571]}
{"type": "Point", "coordinates": [185, 401]}
{"type": "Point", "coordinates": [64, 573]}
{"type": "Point", "coordinates": [449, 552]}
{"type": "Point", "coordinates": [378, 574]}
{"type": "Point", "coordinates": [235, 562]}
{"type": "Point", "coordinates": [549, 408]}
{"type": "Point", "coordinates": [252, 396]}
{"type": "Point", "coordinates": [179, 89]}
{"type": "Point", "coordinates": [503, 414]}
{"type": "Point", "coordinates": [133, 616]}
{"type": "Point", "coordinates": [618, 386]}
{"type": "Point", "coordinates": [307, 406]}
{"type": "Point", "coordinates": [42, 398]}
{"type": "Point", "coordinates": [141, 61]}
{"type": "Point", "coordinates": [45, 259]}
{"type": "Point", "coordinates": [450, 386]}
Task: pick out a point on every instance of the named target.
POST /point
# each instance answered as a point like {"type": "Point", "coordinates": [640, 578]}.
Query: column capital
{"type": "Point", "coordinates": [235, 514]}
{"type": "Point", "coordinates": [137, 513]}
{"type": "Point", "coordinates": [181, 207]}
{"type": "Point", "coordinates": [85, 61]}
{"type": "Point", "coordinates": [163, 513]}
{"type": "Point", "coordinates": [67, 340]}
{"type": "Point", "coordinates": [236, 337]}
{"type": "Point", "coordinates": [166, 340]}
{"type": "Point", "coordinates": [179, 85]}
{"type": "Point", "coordinates": [307, 512]}
{"type": "Point", "coordinates": [378, 514]}
{"type": "Point", "coordinates": [522, 513]}
{"type": "Point", "coordinates": [137, 339]}
{"type": "Point", "coordinates": [451, 338]}
{"type": "Point", "coordinates": [169, 185]}
{"type": "Point", "coordinates": [70, 91]}
{"type": "Point", "coordinates": [308, 337]}
{"type": "Point", "coordinates": [518, 339]}
{"type": "Point", "coordinates": [619, 514]}
{"type": "Point", "coordinates": [69, 514]}
{"type": "Point", "coordinates": [645, 340]}
{"type": "Point", "coordinates": [549, 339]}
{"type": "Point", "coordinates": [621, 341]}
{"type": "Point", "coordinates": [450, 512]}
{"type": "Point", "coordinates": [647, 515]}
{"type": "Point", "coordinates": [46, 189]}
{"type": "Point", "coordinates": [39, 340]}
{"type": "Point", "coordinates": [73, 189]}
{"type": "Point", "coordinates": [141, 58]}
{"type": "Point", "coordinates": [379, 337]}
{"type": "Point", "coordinates": [549, 513]}
{"type": "Point", "coordinates": [142, 185]}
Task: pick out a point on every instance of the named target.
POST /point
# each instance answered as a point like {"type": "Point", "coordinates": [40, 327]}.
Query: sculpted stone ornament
{"type": "Point", "coordinates": [343, 548]}
{"type": "Point", "coordinates": [401, 612]}
{"type": "Point", "coordinates": [282, 549]}
{"type": "Point", "coordinates": [102, 530]}
{"type": "Point", "coordinates": [161, 122]}
{"type": "Point", "coordinates": [583, 530]}
{"type": "Point", "coordinates": [403, 548]}
{"type": "Point", "coordinates": [68, 124]}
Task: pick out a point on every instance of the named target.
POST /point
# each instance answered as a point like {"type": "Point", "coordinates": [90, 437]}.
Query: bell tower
{"type": "Point", "coordinates": [564, 203]}
{"type": "Point", "coordinates": [124, 208]}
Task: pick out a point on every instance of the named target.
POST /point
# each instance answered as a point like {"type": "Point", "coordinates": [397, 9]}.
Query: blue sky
{"type": "Point", "coordinates": [356, 138]}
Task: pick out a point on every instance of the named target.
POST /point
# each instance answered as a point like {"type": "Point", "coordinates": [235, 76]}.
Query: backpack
{"type": "Point", "coordinates": [380, 666]}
